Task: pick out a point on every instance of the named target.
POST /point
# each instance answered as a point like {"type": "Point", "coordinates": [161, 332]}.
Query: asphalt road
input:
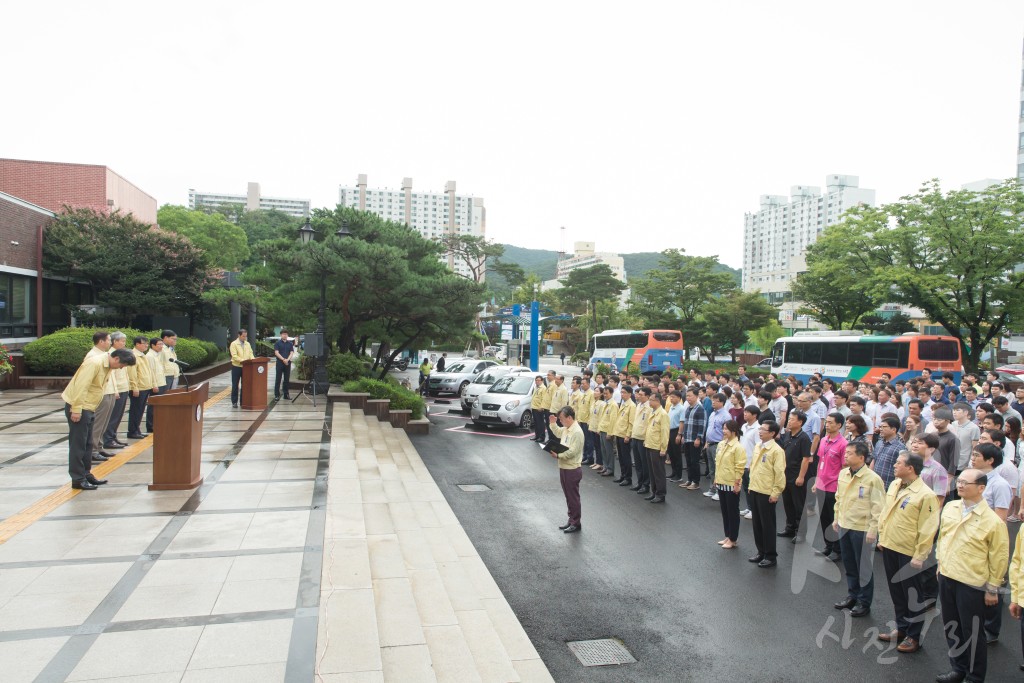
{"type": "Point", "coordinates": [653, 576]}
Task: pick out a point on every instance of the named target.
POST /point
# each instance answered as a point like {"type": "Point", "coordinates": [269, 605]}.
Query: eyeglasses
{"type": "Point", "coordinates": [961, 482]}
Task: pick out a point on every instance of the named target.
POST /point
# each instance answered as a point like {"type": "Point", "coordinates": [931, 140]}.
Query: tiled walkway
{"type": "Point", "coordinates": [318, 548]}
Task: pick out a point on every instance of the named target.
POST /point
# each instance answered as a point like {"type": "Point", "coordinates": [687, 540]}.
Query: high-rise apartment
{"type": "Point", "coordinates": [585, 255]}
{"type": "Point", "coordinates": [432, 214]}
{"type": "Point", "coordinates": [775, 238]}
{"type": "Point", "coordinates": [252, 200]}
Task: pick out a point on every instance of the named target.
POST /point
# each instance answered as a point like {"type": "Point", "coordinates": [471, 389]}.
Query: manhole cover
{"type": "Point", "coordinates": [603, 652]}
{"type": "Point", "coordinates": [474, 488]}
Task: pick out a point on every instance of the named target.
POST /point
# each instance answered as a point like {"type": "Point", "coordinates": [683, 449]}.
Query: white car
{"type": "Point", "coordinates": [483, 382]}
{"type": "Point", "coordinates": [456, 376]}
{"type": "Point", "coordinates": [507, 402]}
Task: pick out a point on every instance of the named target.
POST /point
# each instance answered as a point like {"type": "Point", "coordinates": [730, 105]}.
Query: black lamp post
{"type": "Point", "coordinates": [320, 380]}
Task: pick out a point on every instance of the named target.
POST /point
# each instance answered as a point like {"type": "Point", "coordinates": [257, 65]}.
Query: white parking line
{"type": "Point", "coordinates": [463, 430]}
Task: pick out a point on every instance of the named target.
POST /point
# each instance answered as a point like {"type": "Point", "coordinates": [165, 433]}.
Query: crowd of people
{"type": "Point", "coordinates": [927, 472]}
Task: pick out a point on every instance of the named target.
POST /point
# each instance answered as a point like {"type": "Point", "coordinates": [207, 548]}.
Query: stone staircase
{"type": "Point", "coordinates": [404, 594]}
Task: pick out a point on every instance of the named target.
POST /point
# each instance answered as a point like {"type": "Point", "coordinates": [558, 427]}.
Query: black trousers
{"type": "Point", "coordinates": [675, 454]}
{"type": "Point", "coordinates": [539, 425]}
{"type": "Point", "coordinates": [116, 415]}
{"type": "Point", "coordinates": [730, 504]}
{"type": "Point", "coordinates": [588, 444]}
{"type": "Point", "coordinates": [640, 464]}
{"type": "Point", "coordinates": [963, 619]}
{"type": "Point", "coordinates": [136, 408]}
{"type": "Point", "coordinates": [79, 451]}
{"type": "Point", "coordinates": [236, 382]}
{"type": "Point", "coordinates": [827, 512]}
{"type": "Point", "coordinates": [762, 513]}
{"type": "Point", "coordinates": [793, 499]}
{"type": "Point", "coordinates": [625, 462]}
{"type": "Point", "coordinates": [656, 466]}
{"type": "Point", "coordinates": [692, 453]}
{"type": "Point", "coordinates": [284, 373]}
{"type": "Point", "coordinates": [905, 589]}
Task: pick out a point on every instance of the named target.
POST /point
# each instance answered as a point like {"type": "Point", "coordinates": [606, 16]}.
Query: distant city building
{"type": "Point", "coordinates": [253, 200]}
{"type": "Point", "coordinates": [775, 239]}
{"type": "Point", "coordinates": [585, 256]}
{"type": "Point", "coordinates": [432, 214]}
{"type": "Point", "coordinates": [52, 185]}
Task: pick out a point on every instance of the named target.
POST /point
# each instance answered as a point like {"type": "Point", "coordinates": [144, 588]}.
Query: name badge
{"type": "Point", "coordinates": [904, 504]}
{"type": "Point", "coordinates": [860, 492]}
{"type": "Point", "coordinates": [764, 458]}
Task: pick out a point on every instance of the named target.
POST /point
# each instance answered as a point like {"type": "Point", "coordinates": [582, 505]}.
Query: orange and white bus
{"type": "Point", "coordinates": [652, 350]}
{"type": "Point", "coordinates": [845, 355]}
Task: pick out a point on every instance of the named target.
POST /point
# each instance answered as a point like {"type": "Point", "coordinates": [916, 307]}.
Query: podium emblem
{"type": "Point", "coordinates": [199, 413]}
{"type": "Point", "coordinates": [260, 369]}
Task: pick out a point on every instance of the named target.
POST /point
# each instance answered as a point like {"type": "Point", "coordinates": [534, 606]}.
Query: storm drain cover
{"type": "Point", "coordinates": [474, 488]}
{"type": "Point", "coordinates": [603, 652]}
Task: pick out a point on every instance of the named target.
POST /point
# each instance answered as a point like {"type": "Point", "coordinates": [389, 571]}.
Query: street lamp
{"type": "Point", "coordinates": [320, 381]}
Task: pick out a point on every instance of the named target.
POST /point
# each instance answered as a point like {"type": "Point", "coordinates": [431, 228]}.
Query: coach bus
{"type": "Point", "coordinates": [851, 355]}
{"type": "Point", "coordinates": [652, 350]}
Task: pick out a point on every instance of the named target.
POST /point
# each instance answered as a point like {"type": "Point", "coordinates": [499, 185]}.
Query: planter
{"type": "Point", "coordinates": [378, 407]}
{"type": "Point", "coordinates": [420, 426]}
{"type": "Point", "coordinates": [399, 418]}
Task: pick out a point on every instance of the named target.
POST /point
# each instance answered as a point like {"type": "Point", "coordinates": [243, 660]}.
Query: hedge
{"type": "Point", "coordinates": [60, 353]}
{"type": "Point", "coordinates": [345, 367]}
{"type": "Point", "coordinates": [401, 399]}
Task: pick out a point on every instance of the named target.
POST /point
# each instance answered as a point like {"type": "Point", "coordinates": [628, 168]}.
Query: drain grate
{"type": "Point", "coordinates": [603, 652]}
{"type": "Point", "coordinates": [474, 488]}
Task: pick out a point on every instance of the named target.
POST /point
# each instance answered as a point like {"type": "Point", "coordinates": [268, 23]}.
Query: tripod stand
{"type": "Point", "coordinates": [308, 390]}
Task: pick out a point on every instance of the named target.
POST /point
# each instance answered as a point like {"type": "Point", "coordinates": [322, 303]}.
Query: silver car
{"type": "Point", "coordinates": [457, 376]}
{"type": "Point", "coordinates": [507, 402]}
{"type": "Point", "coordinates": [484, 380]}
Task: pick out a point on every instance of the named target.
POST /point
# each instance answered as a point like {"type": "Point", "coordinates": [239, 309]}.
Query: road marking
{"type": "Point", "coordinates": [463, 430]}
{"type": "Point", "coordinates": [22, 520]}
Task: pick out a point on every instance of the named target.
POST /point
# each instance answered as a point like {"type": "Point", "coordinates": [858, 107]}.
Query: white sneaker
{"type": "Point", "coordinates": [708, 494]}
{"type": "Point", "coordinates": [714, 497]}
{"type": "Point", "coordinates": [744, 512]}
{"type": "Point", "coordinates": [748, 515]}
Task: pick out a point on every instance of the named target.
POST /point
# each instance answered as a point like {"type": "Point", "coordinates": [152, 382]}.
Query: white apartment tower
{"type": "Point", "coordinates": [585, 256]}
{"type": "Point", "coordinates": [432, 214]}
{"type": "Point", "coordinates": [775, 238]}
{"type": "Point", "coordinates": [252, 200]}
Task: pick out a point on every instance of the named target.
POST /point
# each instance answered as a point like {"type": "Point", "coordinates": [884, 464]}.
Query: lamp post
{"type": "Point", "coordinates": [320, 380]}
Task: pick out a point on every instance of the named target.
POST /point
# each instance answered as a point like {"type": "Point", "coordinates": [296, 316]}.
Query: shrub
{"type": "Point", "coordinates": [344, 367]}
{"type": "Point", "coordinates": [401, 399]}
{"type": "Point", "coordinates": [61, 352]}
{"type": "Point", "coordinates": [632, 368]}
{"type": "Point", "coordinates": [263, 349]}
{"type": "Point", "coordinates": [190, 351]}
{"type": "Point", "coordinates": [580, 357]}
{"type": "Point", "coordinates": [212, 352]}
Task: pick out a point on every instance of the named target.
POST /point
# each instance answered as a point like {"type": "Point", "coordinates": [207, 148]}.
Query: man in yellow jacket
{"type": "Point", "coordinates": [859, 497]}
{"type": "Point", "coordinates": [156, 366]}
{"type": "Point", "coordinates": [972, 552]}
{"type": "Point", "coordinates": [569, 470]}
{"type": "Point", "coordinates": [636, 442]}
{"type": "Point", "coordinates": [558, 395]}
{"type": "Point", "coordinates": [624, 416]}
{"type": "Point", "coordinates": [596, 415]}
{"type": "Point", "coordinates": [540, 392]}
{"type": "Point", "coordinates": [767, 481]}
{"type": "Point", "coordinates": [240, 351]}
{"type": "Point", "coordinates": [906, 532]}
{"type": "Point", "coordinates": [656, 447]}
{"type": "Point", "coordinates": [140, 384]}
{"type": "Point", "coordinates": [611, 412]}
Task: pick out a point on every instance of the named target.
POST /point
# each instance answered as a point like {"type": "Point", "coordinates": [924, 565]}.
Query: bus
{"type": "Point", "coordinates": [852, 355]}
{"type": "Point", "coordinates": [652, 350]}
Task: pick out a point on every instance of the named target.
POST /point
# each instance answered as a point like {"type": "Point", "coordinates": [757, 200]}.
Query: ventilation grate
{"type": "Point", "coordinates": [603, 652]}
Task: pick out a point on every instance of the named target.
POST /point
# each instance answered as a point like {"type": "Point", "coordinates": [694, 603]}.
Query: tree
{"type": "Point", "coordinates": [672, 296]}
{"type": "Point", "coordinates": [133, 268]}
{"type": "Point", "coordinates": [472, 251]}
{"type": "Point", "coordinates": [897, 324]}
{"type": "Point", "coordinates": [225, 243]}
{"type": "Point", "coordinates": [263, 224]}
{"type": "Point", "coordinates": [765, 337]}
{"type": "Point", "coordinates": [956, 256]}
{"type": "Point", "coordinates": [831, 292]}
{"type": "Point", "coordinates": [729, 318]}
{"type": "Point", "coordinates": [589, 286]}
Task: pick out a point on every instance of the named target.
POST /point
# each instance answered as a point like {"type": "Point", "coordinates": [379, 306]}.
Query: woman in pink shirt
{"type": "Point", "coordinates": [831, 457]}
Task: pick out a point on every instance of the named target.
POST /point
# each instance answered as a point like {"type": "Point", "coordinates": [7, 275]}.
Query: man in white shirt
{"type": "Point", "coordinates": [967, 435]}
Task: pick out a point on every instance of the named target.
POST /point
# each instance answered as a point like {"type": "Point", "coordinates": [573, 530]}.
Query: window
{"type": "Point", "coordinates": [859, 354]}
{"type": "Point", "coordinates": [937, 349]}
{"type": "Point", "coordinates": [834, 354]}
{"type": "Point", "coordinates": [667, 336]}
{"type": "Point", "coordinates": [891, 354]}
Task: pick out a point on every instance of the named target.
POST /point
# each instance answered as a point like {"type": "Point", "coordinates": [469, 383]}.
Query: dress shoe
{"type": "Point", "coordinates": [565, 526]}
{"type": "Point", "coordinates": [571, 529]}
{"type": "Point", "coordinates": [797, 539]}
{"type": "Point", "coordinates": [657, 499]}
{"type": "Point", "coordinates": [845, 603]}
{"type": "Point", "coordinates": [755, 559]}
{"type": "Point", "coordinates": [608, 473]}
{"type": "Point", "coordinates": [119, 443]}
{"type": "Point", "coordinates": [533, 438]}
{"type": "Point", "coordinates": [96, 457]}
{"type": "Point", "coordinates": [137, 436]}
{"type": "Point", "coordinates": [635, 488]}
{"type": "Point", "coordinates": [84, 485]}
{"type": "Point", "coordinates": [765, 564]}
{"type": "Point", "coordinates": [893, 636]}
{"type": "Point", "coordinates": [626, 482]}
{"type": "Point", "coordinates": [835, 557]}
{"type": "Point", "coordinates": [94, 481]}
{"type": "Point", "coordinates": [287, 397]}
{"type": "Point", "coordinates": [643, 489]}
{"type": "Point", "coordinates": [619, 480]}
{"type": "Point", "coordinates": [991, 639]}
{"type": "Point", "coordinates": [950, 677]}
{"type": "Point", "coordinates": [650, 497]}
{"type": "Point", "coordinates": [106, 454]}
{"type": "Point", "coordinates": [860, 610]}
{"type": "Point", "coordinates": [908, 645]}
{"type": "Point", "coordinates": [786, 534]}
{"type": "Point", "coordinates": [111, 446]}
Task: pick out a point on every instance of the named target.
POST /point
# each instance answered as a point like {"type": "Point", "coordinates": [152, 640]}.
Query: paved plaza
{"type": "Point", "coordinates": [318, 548]}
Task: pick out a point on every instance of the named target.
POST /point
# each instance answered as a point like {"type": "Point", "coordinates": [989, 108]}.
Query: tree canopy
{"type": "Point", "coordinates": [224, 243]}
{"type": "Point", "coordinates": [586, 287]}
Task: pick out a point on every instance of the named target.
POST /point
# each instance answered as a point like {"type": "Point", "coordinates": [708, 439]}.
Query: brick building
{"type": "Point", "coordinates": [51, 185]}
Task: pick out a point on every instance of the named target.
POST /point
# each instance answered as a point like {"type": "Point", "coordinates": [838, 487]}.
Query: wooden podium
{"type": "Point", "coordinates": [254, 383]}
{"type": "Point", "coordinates": [178, 438]}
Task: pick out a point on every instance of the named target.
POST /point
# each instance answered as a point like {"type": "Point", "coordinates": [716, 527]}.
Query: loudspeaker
{"type": "Point", "coordinates": [314, 344]}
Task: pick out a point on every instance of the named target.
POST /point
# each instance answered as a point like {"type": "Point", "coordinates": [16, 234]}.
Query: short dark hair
{"type": "Point", "coordinates": [753, 410]}
{"type": "Point", "coordinates": [859, 422]}
{"type": "Point", "coordinates": [720, 397]}
{"type": "Point", "coordinates": [915, 462]}
{"type": "Point", "coordinates": [139, 339]}
{"type": "Point", "coordinates": [772, 426]}
{"type": "Point", "coordinates": [930, 439]}
{"type": "Point", "coordinates": [841, 394]}
{"type": "Point", "coordinates": [800, 415]}
{"type": "Point", "coordinates": [123, 356]}
{"type": "Point", "coordinates": [167, 333]}
{"type": "Point", "coordinates": [891, 420]}
{"type": "Point", "coordinates": [99, 335]}
{"type": "Point", "coordinates": [997, 436]}
{"type": "Point", "coordinates": [838, 417]}
{"type": "Point", "coordinates": [1000, 401]}
{"type": "Point", "coordinates": [989, 451]}
{"type": "Point", "coordinates": [996, 418]}
{"type": "Point", "coordinates": [567, 411]}
{"type": "Point", "coordinates": [155, 340]}
{"type": "Point", "coordinates": [860, 448]}
{"type": "Point", "coordinates": [859, 400]}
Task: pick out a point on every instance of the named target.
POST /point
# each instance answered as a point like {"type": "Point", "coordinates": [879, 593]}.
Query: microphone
{"type": "Point", "coordinates": [181, 364]}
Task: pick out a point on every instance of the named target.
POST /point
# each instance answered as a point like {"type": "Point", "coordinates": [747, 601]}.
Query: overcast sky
{"type": "Point", "coordinates": [639, 126]}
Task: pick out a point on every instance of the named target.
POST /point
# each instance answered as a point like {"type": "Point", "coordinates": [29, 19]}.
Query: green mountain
{"type": "Point", "coordinates": [543, 262]}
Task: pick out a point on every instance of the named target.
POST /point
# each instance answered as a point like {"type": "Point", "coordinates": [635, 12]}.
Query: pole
{"type": "Point", "coordinates": [320, 379]}
{"type": "Point", "coordinates": [534, 335]}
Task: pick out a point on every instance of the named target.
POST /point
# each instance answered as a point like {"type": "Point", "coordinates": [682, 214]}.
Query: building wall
{"type": "Point", "coordinates": [250, 201]}
{"type": "Point", "coordinates": [19, 226]}
{"type": "Point", "coordinates": [129, 198]}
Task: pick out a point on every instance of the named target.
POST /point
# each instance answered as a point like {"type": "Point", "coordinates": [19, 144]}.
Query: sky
{"type": "Point", "coordinates": [639, 127]}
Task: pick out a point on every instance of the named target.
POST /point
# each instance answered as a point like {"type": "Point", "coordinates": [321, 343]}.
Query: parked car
{"type": "Point", "coordinates": [765, 364]}
{"type": "Point", "coordinates": [456, 376]}
{"type": "Point", "coordinates": [1011, 376]}
{"type": "Point", "coordinates": [507, 402]}
{"type": "Point", "coordinates": [483, 381]}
